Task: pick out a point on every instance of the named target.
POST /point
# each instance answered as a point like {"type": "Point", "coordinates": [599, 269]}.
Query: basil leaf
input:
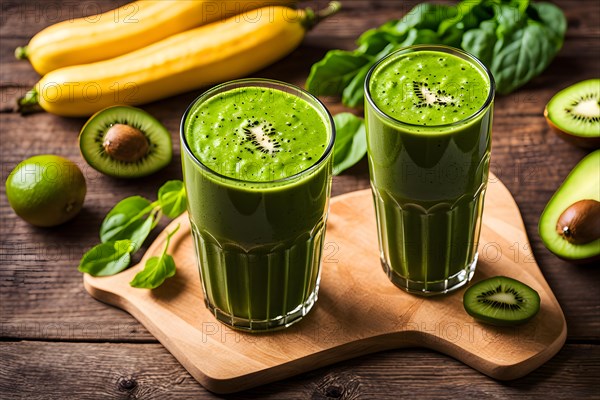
{"type": "Point", "coordinates": [172, 198]}
{"type": "Point", "coordinates": [333, 73]}
{"type": "Point", "coordinates": [157, 269]}
{"type": "Point", "coordinates": [107, 258]}
{"type": "Point", "coordinates": [350, 141]}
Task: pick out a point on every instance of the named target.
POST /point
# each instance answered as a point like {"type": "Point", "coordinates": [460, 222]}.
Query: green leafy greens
{"type": "Point", "coordinates": [124, 230]}
{"type": "Point", "coordinates": [350, 141]}
{"type": "Point", "coordinates": [516, 39]}
{"type": "Point", "coordinates": [157, 268]}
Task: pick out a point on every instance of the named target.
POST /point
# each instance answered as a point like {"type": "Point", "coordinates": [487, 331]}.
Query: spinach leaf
{"type": "Point", "coordinates": [521, 56]}
{"type": "Point", "coordinates": [132, 218]}
{"type": "Point", "coordinates": [515, 39]}
{"type": "Point", "coordinates": [509, 20]}
{"type": "Point", "coordinates": [107, 258]}
{"type": "Point", "coordinates": [426, 16]}
{"type": "Point", "coordinates": [553, 20]}
{"type": "Point", "coordinates": [332, 74]}
{"type": "Point", "coordinates": [172, 198]}
{"type": "Point", "coordinates": [350, 141]}
{"type": "Point", "coordinates": [126, 227]}
{"type": "Point", "coordinates": [157, 269]}
{"type": "Point", "coordinates": [465, 17]}
{"type": "Point", "coordinates": [480, 42]}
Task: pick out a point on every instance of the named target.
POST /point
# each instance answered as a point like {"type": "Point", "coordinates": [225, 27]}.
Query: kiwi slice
{"type": "Point", "coordinates": [574, 113]}
{"type": "Point", "coordinates": [125, 142]}
{"type": "Point", "coordinates": [501, 301]}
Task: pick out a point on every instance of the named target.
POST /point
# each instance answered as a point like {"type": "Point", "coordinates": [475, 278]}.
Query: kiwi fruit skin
{"type": "Point", "coordinates": [481, 301]}
{"type": "Point", "coordinates": [569, 128]}
{"type": "Point", "coordinates": [92, 139]}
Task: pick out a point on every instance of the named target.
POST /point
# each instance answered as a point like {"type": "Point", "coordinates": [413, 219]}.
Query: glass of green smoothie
{"type": "Point", "coordinates": [428, 111]}
{"type": "Point", "coordinates": [257, 162]}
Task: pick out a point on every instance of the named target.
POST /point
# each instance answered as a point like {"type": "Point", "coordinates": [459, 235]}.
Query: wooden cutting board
{"type": "Point", "coordinates": [359, 310]}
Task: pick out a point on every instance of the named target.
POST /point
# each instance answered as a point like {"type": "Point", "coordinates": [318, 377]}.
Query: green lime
{"type": "Point", "coordinates": [46, 190]}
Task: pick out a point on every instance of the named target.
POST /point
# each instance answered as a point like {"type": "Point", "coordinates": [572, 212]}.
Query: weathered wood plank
{"type": "Point", "coordinates": [35, 370]}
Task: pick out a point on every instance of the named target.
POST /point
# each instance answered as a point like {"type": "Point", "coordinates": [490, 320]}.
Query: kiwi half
{"type": "Point", "coordinates": [574, 113]}
{"type": "Point", "coordinates": [501, 301]}
{"type": "Point", "coordinates": [125, 142]}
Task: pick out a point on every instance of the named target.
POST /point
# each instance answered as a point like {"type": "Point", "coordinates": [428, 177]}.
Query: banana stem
{"type": "Point", "coordinates": [29, 103]}
{"type": "Point", "coordinates": [312, 18]}
{"type": "Point", "coordinates": [21, 53]}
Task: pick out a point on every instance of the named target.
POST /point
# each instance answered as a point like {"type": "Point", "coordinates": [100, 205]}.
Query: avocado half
{"type": "Point", "coordinates": [583, 183]}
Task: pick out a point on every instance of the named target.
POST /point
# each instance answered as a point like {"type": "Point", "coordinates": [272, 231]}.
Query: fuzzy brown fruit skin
{"type": "Point", "coordinates": [580, 222]}
{"type": "Point", "coordinates": [584, 142]}
{"type": "Point", "coordinates": [125, 143]}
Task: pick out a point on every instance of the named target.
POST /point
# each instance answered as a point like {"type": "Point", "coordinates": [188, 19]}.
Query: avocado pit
{"type": "Point", "coordinates": [580, 222]}
{"type": "Point", "coordinates": [125, 143]}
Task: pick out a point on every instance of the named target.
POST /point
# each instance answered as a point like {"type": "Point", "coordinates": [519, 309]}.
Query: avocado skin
{"type": "Point", "coordinates": [583, 182]}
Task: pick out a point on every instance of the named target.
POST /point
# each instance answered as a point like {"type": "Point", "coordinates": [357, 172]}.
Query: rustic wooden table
{"type": "Point", "coordinates": [58, 342]}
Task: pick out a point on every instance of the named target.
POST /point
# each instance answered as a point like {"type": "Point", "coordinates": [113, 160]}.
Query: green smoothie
{"type": "Point", "coordinates": [257, 168]}
{"type": "Point", "coordinates": [429, 116]}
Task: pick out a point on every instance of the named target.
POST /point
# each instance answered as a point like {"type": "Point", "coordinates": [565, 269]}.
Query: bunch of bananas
{"type": "Point", "coordinates": [148, 50]}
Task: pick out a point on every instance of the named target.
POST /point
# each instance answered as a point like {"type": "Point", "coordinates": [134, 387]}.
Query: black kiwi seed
{"type": "Point", "coordinates": [125, 142]}
{"type": "Point", "coordinates": [501, 301]}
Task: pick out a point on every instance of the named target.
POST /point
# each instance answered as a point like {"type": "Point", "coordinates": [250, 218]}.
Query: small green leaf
{"type": "Point", "coordinates": [107, 258]}
{"type": "Point", "coordinates": [350, 141]}
{"type": "Point", "coordinates": [157, 269]}
{"type": "Point", "coordinates": [172, 198]}
{"type": "Point", "coordinates": [155, 272]}
{"type": "Point", "coordinates": [132, 218]}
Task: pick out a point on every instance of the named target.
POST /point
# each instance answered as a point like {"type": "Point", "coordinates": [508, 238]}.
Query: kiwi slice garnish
{"type": "Point", "coordinates": [261, 134]}
{"type": "Point", "coordinates": [125, 142]}
{"type": "Point", "coordinates": [574, 113]}
{"type": "Point", "coordinates": [501, 301]}
{"type": "Point", "coordinates": [428, 97]}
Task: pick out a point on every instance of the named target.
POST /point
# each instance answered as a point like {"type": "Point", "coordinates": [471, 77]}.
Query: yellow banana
{"type": "Point", "coordinates": [213, 53]}
{"type": "Point", "coordinates": [127, 28]}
